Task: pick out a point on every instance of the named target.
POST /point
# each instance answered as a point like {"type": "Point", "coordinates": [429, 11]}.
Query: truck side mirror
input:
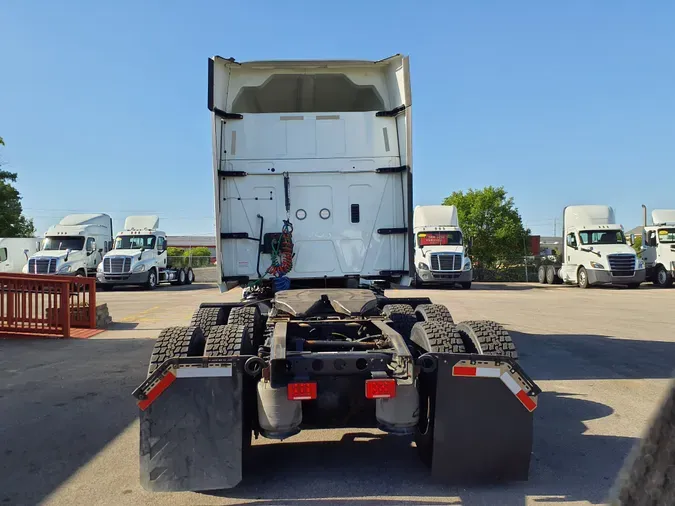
{"type": "Point", "coordinates": [25, 252]}
{"type": "Point", "coordinates": [631, 239]}
{"type": "Point", "coordinates": [100, 250]}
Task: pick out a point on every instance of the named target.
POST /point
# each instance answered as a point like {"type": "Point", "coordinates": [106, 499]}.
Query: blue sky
{"type": "Point", "coordinates": [103, 104]}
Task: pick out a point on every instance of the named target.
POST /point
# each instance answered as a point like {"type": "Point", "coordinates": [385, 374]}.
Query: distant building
{"type": "Point", "coordinates": [187, 242]}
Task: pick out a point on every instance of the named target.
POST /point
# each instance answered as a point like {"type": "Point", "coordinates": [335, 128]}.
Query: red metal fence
{"type": "Point", "coordinates": [42, 304]}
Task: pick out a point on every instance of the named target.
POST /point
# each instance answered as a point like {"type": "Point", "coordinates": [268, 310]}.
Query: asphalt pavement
{"type": "Point", "coordinates": [603, 357]}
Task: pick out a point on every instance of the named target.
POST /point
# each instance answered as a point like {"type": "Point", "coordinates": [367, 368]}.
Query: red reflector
{"type": "Point", "coordinates": [380, 388]}
{"type": "Point", "coordinates": [525, 399]}
{"type": "Point", "coordinates": [301, 391]}
{"type": "Point", "coordinates": [161, 385]}
{"type": "Point", "coordinates": [459, 370]}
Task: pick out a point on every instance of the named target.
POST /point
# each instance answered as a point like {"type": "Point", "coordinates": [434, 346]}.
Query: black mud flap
{"type": "Point", "coordinates": [476, 418]}
{"type": "Point", "coordinates": [191, 426]}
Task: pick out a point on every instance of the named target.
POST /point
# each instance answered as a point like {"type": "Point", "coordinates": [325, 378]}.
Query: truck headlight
{"type": "Point", "coordinates": [422, 266]}
{"type": "Point", "coordinates": [467, 264]}
{"type": "Point", "coordinates": [640, 264]}
{"type": "Point", "coordinates": [99, 267]}
{"type": "Point", "coordinates": [65, 268]}
{"type": "Point", "coordinates": [596, 265]}
{"type": "Point", "coordinates": [139, 268]}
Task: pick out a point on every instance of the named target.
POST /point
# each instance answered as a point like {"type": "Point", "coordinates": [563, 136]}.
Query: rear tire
{"type": "Point", "coordinates": [487, 337]}
{"type": "Point", "coordinates": [551, 275]}
{"type": "Point", "coordinates": [433, 312]}
{"type": "Point", "coordinates": [180, 277]}
{"type": "Point", "coordinates": [663, 278]}
{"type": "Point", "coordinates": [466, 285]}
{"type": "Point", "coordinates": [189, 276]}
{"type": "Point", "coordinates": [208, 317]}
{"type": "Point", "coordinates": [542, 274]}
{"type": "Point", "coordinates": [248, 316]}
{"type": "Point", "coordinates": [437, 337]}
{"type": "Point", "coordinates": [402, 318]}
{"type": "Point", "coordinates": [176, 342]}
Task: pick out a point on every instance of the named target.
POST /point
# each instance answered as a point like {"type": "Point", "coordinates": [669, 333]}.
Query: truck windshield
{"type": "Point", "coordinates": [63, 243]}
{"type": "Point", "coordinates": [439, 238]}
{"type": "Point", "coordinates": [135, 242]}
{"type": "Point", "coordinates": [666, 235]}
{"type": "Point", "coordinates": [602, 237]}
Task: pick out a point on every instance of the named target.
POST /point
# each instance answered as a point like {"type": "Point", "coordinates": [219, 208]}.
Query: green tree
{"type": "Point", "coordinates": [12, 221]}
{"type": "Point", "coordinates": [172, 251]}
{"type": "Point", "coordinates": [490, 218]}
{"type": "Point", "coordinates": [637, 245]}
{"type": "Point", "coordinates": [201, 256]}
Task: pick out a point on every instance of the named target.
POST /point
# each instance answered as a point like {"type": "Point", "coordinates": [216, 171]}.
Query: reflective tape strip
{"type": "Point", "coordinates": [203, 372]}
{"type": "Point", "coordinates": [527, 401]}
{"type": "Point", "coordinates": [479, 372]}
{"type": "Point", "coordinates": [496, 372]}
{"type": "Point", "coordinates": [510, 382]}
{"type": "Point", "coordinates": [155, 391]}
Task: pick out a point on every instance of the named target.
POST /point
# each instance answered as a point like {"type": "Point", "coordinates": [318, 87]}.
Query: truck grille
{"type": "Point", "coordinates": [117, 265]}
{"type": "Point", "coordinates": [446, 262]}
{"type": "Point", "coordinates": [622, 265]}
{"type": "Point", "coordinates": [42, 265]}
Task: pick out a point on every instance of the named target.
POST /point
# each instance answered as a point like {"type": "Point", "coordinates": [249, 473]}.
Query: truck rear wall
{"type": "Point", "coordinates": [312, 149]}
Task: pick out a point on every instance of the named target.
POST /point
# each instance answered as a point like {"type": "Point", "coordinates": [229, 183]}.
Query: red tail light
{"type": "Point", "coordinates": [302, 391]}
{"type": "Point", "coordinates": [380, 388]}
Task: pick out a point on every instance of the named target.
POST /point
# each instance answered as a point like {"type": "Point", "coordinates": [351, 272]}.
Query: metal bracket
{"type": "Point", "coordinates": [390, 231]}
{"type": "Point", "coordinates": [232, 173]}
{"type": "Point", "coordinates": [390, 114]}
{"type": "Point", "coordinates": [226, 115]}
{"type": "Point", "coordinates": [392, 170]}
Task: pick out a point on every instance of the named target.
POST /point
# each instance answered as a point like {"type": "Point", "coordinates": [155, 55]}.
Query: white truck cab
{"type": "Point", "coordinates": [74, 246]}
{"type": "Point", "coordinates": [595, 251]}
{"type": "Point", "coordinates": [140, 257]}
{"type": "Point", "coordinates": [658, 246]}
{"type": "Point", "coordinates": [15, 251]}
{"type": "Point", "coordinates": [440, 251]}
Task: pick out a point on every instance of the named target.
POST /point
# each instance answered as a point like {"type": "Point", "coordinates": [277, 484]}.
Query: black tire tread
{"type": "Point", "coordinates": [492, 337]}
{"type": "Point", "coordinates": [438, 337]}
{"type": "Point", "coordinates": [176, 342]}
{"type": "Point", "coordinates": [229, 339]}
{"type": "Point", "coordinates": [208, 317]}
{"type": "Point", "coordinates": [402, 318]}
{"type": "Point", "coordinates": [248, 316]}
{"type": "Point", "coordinates": [433, 312]}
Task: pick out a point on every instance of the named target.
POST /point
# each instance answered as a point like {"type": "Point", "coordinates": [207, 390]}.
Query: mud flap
{"type": "Point", "coordinates": [478, 418]}
{"type": "Point", "coordinates": [191, 427]}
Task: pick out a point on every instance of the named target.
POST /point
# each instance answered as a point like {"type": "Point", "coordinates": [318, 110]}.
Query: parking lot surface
{"type": "Point", "coordinates": [603, 357]}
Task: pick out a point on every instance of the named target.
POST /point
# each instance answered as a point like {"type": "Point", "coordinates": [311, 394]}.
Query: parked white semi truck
{"type": "Point", "coordinates": [658, 246]}
{"type": "Point", "coordinates": [440, 247]}
{"type": "Point", "coordinates": [140, 258]}
{"type": "Point", "coordinates": [313, 158]}
{"type": "Point", "coordinates": [15, 251]}
{"type": "Point", "coordinates": [595, 251]}
{"type": "Point", "coordinates": [75, 246]}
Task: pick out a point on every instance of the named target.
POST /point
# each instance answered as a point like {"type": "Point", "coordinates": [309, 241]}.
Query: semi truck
{"type": "Point", "coordinates": [140, 257]}
{"type": "Point", "coordinates": [441, 255]}
{"type": "Point", "coordinates": [658, 247]}
{"type": "Point", "coordinates": [74, 246]}
{"type": "Point", "coordinates": [15, 251]}
{"type": "Point", "coordinates": [595, 251]}
{"type": "Point", "coordinates": [312, 181]}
